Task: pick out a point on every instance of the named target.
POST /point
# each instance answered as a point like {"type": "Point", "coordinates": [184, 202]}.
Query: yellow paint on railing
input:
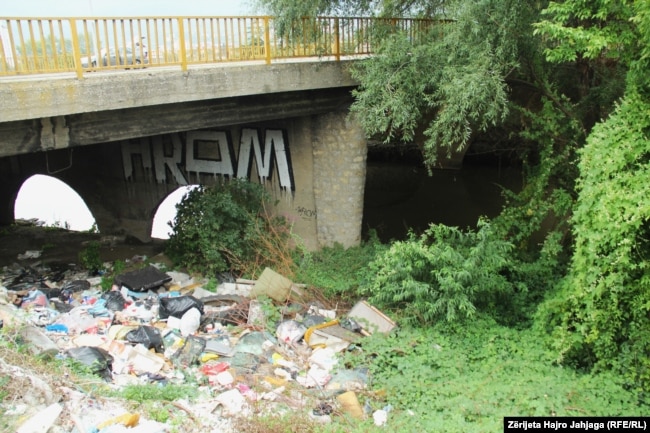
{"type": "Point", "coordinates": [86, 44]}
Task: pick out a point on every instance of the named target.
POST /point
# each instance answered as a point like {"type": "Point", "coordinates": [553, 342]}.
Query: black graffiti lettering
{"type": "Point", "coordinates": [306, 213]}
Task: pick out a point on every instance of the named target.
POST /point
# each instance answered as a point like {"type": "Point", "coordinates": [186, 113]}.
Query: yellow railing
{"type": "Point", "coordinates": [80, 45]}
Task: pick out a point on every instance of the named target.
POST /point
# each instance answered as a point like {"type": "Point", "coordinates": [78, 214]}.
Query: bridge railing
{"type": "Point", "coordinates": [81, 45]}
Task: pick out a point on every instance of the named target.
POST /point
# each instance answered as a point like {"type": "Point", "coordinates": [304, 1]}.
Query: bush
{"type": "Point", "coordinates": [225, 227]}
{"type": "Point", "coordinates": [445, 273]}
{"type": "Point", "coordinates": [90, 258]}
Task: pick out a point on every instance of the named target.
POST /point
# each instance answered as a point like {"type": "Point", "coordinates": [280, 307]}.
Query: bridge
{"type": "Point", "coordinates": [126, 110]}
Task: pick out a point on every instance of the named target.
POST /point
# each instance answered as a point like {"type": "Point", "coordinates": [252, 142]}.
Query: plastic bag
{"type": "Point", "coordinates": [114, 300]}
{"type": "Point", "coordinates": [190, 352]}
{"type": "Point", "coordinates": [148, 336]}
{"type": "Point", "coordinates": [290, 331]}
{"type": "Point", "coordinates": [98, 360]}
{"type": "Point", "coordinates": [177, 306]}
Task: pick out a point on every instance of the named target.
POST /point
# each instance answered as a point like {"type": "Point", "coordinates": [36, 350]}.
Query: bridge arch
{"type": "Point", "coordinates": [54, 202]}
{"type": "Point", "coordinates": [166, 212]}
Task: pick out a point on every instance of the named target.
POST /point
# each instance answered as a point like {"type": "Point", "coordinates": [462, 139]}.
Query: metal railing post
{"type": "Point", "coordinates": [267, 40]}
{"type": "Point", "coordinates": [337, 41]}
{"type": "Point", "coordinates": [76, 49]}
{"type": "Point", "coordinates": [181, 36]}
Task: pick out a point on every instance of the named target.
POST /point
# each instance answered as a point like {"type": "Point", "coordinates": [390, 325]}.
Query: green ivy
{"type": "Point", "coordinates": [600, 316]}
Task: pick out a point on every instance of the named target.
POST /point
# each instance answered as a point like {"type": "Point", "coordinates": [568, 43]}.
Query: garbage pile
{"type": "Point", "coordinates": [164, 327]}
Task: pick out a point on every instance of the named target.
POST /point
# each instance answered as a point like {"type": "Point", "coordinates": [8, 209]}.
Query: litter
{"type": "Point", "coordinates": [156, 327]}
{"type": "Point", "coordinates": [276, 287]}
{"type": "Point", "coordinates": [350, 404]}
{"type": "Point", "coordinates": [370, 318]}
{"type": "Point", "coordinates": [143, 279]}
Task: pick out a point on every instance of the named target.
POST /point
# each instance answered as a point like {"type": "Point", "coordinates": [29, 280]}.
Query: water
{"type": "Point", "coordinates": [401, 195]}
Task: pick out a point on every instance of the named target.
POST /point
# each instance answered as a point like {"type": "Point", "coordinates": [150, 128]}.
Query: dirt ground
{"type": "Point", "coordinates": [63, 246]}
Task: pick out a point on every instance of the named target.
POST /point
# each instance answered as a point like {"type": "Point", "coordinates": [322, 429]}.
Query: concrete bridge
{"type": "Point", "coordinates": [125, 136]}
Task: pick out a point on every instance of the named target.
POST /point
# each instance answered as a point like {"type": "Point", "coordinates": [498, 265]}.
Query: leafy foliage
{"type": "Point", "coordinates": [597, 315]}
{"type": "Point", "coordinates": [90, 257]}
{"type": "Point", "coordinates": [551, 75]}
{"type": "Point", "coordinates": [444, 273]}
{"type": "Point", "coordinates": [601, 315]}
{"type": "Point", "coordinates": [219, 228]}
{"type": "Point", "coordinates": [593, 30]}
{"type": "Point", "coordinates": [453, 83]}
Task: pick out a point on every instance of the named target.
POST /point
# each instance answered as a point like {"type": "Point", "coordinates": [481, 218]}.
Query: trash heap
{"type": "Point", "coordinates": [165, 327]}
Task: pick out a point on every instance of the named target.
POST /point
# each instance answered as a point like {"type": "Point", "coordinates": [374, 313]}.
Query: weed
{"type": "Point", "coordinates": [90, 258]}
{"type": "Point", "coordinates": [270, 312]}
{"type": "Point", "coordinates": [152, 392]}
{"type": "Point", "coordinates": [211, 285]}
{"type": "Point", "coordinates": [48, 246]}
{"type": "Point", "coordinates": [338, 271]}
{"type": "Point", "coordinates": [156, 411]}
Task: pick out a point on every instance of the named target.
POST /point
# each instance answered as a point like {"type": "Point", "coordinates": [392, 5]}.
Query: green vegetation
{"type": "Point", "coordinates": [149, 392]}
{"type": "Point", "coordinates": [467, 378]}
{"type": "Point", "coordinates": [443, 274]}
{"type": "Point", "coordinates": [561, 88]}
{"type": "Point", "coordinates": [544, 309]}
{"type": "Point", "coordinates": [337, 271]}
{"type": "Point", "coordinates": [225, 227]}
{"type": "Point", "coordinates": [90, 258]}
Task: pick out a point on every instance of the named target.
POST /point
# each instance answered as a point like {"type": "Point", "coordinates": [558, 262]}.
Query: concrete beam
{"type": "Point", "coordinates": [54, 95]}
{"type": "Point", "coordinates": [27, 136]}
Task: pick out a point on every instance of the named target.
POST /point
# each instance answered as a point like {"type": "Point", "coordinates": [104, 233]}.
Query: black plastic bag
{"type": "Point", "coordinates": [178, 305]}
{"type": "Point", "coordinates": [76, 285]}
{"type": "Point", "coordinates": [97, 359]}
{"type": "Point", "coordinates": [114, 300]}
{"type": "Point", "coordinates": [143, 279]}
{"type": "Point", "coordinates": [148, 336]}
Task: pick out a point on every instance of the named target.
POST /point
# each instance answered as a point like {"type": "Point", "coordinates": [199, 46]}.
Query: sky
{"type": "Point", "coordinates": [124, 8]}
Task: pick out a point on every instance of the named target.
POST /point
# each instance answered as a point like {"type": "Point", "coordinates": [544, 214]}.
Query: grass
{"type": "Point", "coordinates": [336, 271]}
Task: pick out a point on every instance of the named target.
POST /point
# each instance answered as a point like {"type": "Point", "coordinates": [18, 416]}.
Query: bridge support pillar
{"type": "Point", "coordinates": [339, 154]}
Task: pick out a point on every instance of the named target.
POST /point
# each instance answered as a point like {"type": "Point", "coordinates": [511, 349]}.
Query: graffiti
{"type": "Point", "coordinates": [211, 152]}
{"type": "Point", "coordinates": [306, 213]}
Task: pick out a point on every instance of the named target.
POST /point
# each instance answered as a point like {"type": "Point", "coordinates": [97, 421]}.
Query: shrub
{"type": "Point", "coordinates": [444, 273]}
{"type": "Point", "coordinates": [221, 227]}
{"type": "Point", "coordinates": [599, 316]}
{"type": "Point", "coordinates": [90, 258]}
